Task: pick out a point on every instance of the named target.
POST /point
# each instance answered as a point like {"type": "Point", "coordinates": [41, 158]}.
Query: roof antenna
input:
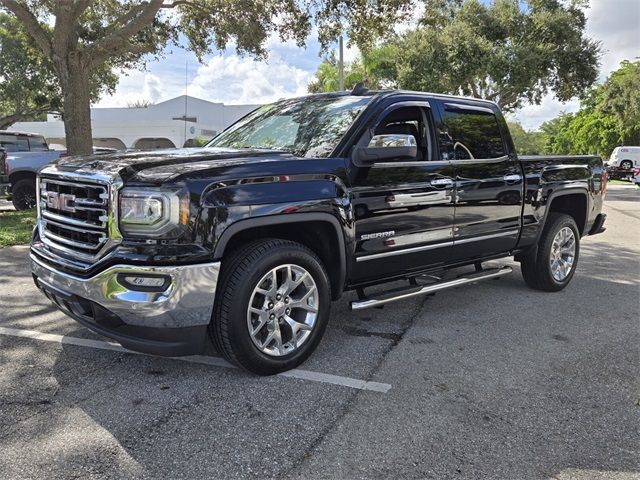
{"type": "Point", "coordinates": [359, 89]}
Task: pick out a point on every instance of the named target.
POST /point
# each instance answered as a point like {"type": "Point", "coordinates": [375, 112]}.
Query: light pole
{"type": "Point", "coordinates": [341, 65]}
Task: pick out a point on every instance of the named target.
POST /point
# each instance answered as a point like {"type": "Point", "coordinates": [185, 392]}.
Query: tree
{"type": "Point", "coordinates": [509, 51]}
{"type": "Point", "coordinates": [141, 103]}
{"type": "Point", "coordinates": [609, 116]}
{"type": "Point", "coordinates": [28, 89]}
{"type": "Point", "coordinates": [375, 68]}
{"type": "Point", "coordinates": [526, 142]}
{"type": "Point", "coordinates": [81, 37]}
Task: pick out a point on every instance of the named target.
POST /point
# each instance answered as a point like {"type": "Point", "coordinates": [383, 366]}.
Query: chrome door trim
{"type": "Point", "coordinates": [486, 237]}
{"type": "Point", "coordinates": [450, 243]}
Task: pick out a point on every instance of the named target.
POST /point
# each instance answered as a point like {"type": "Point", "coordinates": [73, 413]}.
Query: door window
{"type": "Point", "coordinates": [38, 144]}
{"type": "Point", "coordinates": [14, 143]}
{"type": "Point", "coordinates": [471, 134]}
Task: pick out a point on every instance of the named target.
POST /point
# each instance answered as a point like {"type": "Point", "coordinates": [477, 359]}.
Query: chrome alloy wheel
{"type": "Point", "coordinates": [563, 254]}
{"type": "Point", "coordinates": [282, 310]}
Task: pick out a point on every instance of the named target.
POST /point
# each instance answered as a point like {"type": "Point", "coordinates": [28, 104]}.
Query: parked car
{"type": "Point", "coordinates": [625, 158]}
{"type": "Point", "coordinates": [25, 154]}
{"type": "Point", "coordinates": [636, 176]}
{"type": "Point", "coordinates": [246, 242]}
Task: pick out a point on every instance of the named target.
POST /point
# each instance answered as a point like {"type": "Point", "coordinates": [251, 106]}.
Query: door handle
{"type": "Point", "coordinates": [442, 182]}
{"type": "Point", "coordinates": [512, 178]}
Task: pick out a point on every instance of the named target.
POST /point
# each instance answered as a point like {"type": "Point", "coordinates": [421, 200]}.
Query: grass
{"type": "Point", "coordinates": [16, 227]}
{"type": "Point", "coordinates": [619, 182]}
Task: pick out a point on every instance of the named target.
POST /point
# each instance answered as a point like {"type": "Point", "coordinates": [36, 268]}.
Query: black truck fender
{"type": "Point", "coordinates": [338, 272]}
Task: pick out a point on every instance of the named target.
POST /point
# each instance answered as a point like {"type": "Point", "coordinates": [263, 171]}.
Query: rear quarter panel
{"type": "Point", "coordinates": [548, 177]}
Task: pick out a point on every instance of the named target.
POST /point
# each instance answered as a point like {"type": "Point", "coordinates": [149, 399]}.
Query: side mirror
{"type": "Point", "coordinates": [386, 147]}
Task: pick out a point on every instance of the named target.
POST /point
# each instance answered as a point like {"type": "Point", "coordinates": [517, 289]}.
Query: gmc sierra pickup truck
{"type": "Point", "coordinates": [245, 243]}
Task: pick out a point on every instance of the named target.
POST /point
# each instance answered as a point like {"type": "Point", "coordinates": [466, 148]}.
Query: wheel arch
{"type": "Point", "coordinates": [561, 201]}
{"type": "Point", "coordinates": [315, 225]}
{"type": "Point", "coordinates": [18, 175]}
{"type": "Point", "coordinates": [573, 202]}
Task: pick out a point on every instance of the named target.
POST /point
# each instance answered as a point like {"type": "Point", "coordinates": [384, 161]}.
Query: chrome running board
{"type": "Point", "coordinates": [414, 291]}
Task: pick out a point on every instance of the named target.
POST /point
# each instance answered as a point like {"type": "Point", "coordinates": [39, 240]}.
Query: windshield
{"type": "Point", "coordinates": [307, 127]}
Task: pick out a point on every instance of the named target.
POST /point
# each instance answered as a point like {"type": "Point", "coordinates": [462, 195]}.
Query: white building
{"type": "Point", "coordinates": [164, 125]}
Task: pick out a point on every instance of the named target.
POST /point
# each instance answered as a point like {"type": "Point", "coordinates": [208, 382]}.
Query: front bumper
{"type": "Point", "coordinates": [169, 322]}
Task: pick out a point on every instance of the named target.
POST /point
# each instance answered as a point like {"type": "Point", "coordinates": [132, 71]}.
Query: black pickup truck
{"type": "Point", "coordinates": [246, 242]}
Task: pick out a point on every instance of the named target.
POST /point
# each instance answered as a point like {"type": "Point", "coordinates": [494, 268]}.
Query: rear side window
{"type": "Point", "coordinates": [38, 144]}
{"type": "Point", "coordinates": [14, 143]}
{"type": "Point", "coordinates": [471, 134]}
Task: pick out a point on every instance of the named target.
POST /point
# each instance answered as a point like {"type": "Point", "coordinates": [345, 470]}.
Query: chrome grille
{"type": "Point", "coordinates": [74, 216]}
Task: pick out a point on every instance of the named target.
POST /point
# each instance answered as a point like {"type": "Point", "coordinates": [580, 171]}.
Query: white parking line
{"type": "Point", "coordinates": [205, 360]}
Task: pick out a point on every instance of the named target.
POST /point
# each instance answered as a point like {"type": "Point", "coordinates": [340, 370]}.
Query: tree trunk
{"type": "Point", "coordinates": [77, 105]}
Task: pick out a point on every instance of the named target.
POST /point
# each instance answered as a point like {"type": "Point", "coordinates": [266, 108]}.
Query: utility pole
{"type": "Point", "coordinates": [341, 65]}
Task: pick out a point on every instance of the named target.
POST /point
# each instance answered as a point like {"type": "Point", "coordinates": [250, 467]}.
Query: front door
{"type": "Point", "coordinates": [489, 182]}
{"type": "Point", "coordinates": [403, 207]}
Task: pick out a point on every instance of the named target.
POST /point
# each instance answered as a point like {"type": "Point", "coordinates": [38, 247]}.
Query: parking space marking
{"type": "Point", "coordinates": [201, 359]}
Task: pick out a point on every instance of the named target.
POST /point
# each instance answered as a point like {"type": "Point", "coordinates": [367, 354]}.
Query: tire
{"type": "Point", "coordinates": [538, 271]}
{"type": "Point", "coordinates": [246, 282]}
{"type": "Point", "coordinates": [23, 194]}
{"type": "Point", "coordinates": [626, 164]}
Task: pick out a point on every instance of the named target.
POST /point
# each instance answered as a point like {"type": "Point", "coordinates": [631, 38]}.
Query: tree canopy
{"type": "Point", "coordinates": [79, 37]}
{"type": "Point", "coordinates": [29, 87]}
{"type": "Point", "coordinates": [509, 51]}
{"type": "Point", "coordinates": [609, 116]}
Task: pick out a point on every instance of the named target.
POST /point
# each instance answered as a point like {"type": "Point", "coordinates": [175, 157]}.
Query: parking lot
{"type": "Point", "coordinates": [489, 381]}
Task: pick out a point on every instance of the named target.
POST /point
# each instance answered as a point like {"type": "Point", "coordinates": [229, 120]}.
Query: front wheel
{"type": "Point", "coordinates": [272, 307]}
{"type": "Point", "coordinates": [552, 268]}
{"type": "Point", "coordinates": [23, 194]}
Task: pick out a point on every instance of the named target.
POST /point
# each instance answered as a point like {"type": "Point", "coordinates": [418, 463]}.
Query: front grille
{"type": "Point", "coordinates": [74, 217]}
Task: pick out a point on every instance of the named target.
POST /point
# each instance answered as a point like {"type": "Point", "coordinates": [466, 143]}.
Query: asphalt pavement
{"type": "Point", "coordinates": [493, 380]}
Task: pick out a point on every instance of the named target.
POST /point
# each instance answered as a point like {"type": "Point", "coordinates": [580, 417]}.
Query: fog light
{"type": "Point", "coordinates": [145, 282]}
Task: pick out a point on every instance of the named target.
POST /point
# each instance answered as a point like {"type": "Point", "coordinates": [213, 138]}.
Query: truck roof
{"type": "Point", "coordinates": [363, 92]}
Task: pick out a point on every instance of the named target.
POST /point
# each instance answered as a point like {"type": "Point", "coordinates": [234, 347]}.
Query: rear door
{"type": "Point", "coordinates": [489, 181]}
{"type": "Point", "coordinates": [403, 207]}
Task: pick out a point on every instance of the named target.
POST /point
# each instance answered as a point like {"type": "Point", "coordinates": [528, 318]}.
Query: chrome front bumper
{"type": "Point", "coordinates": [186, 301]}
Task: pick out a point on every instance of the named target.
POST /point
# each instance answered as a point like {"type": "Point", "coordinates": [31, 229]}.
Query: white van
{"type": "Point", "coordinates": [625, 157]}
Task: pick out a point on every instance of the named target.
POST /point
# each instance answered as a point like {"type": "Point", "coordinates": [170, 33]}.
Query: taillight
{"type": "Point", "coordinates": [604, 182]}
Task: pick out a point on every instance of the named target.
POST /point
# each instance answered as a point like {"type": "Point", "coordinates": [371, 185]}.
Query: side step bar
{"type": "Point", "coordinates": [408, 292]}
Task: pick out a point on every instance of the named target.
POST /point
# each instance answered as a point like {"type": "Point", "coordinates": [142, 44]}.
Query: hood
{"type": "Point", "coordinates": [165, 165]}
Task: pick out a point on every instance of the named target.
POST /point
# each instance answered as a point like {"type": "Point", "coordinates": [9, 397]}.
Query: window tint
{"type": "Point", "coordinates": [38, 144]}
{"type": "Point", "coordinates": [471, 134]}
{"type": "Point", "coordinates": [14, 143]}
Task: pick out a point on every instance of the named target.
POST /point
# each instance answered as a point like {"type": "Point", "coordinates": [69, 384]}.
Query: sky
{"type": "Point", "coordinates": [229, 78]}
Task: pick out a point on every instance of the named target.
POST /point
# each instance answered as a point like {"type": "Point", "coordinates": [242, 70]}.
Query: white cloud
{"type": "Point", "coordinates": [135, 86]}
{"type": "Point", "coordinates": [233, 79]}
{"type": "Point", "coordinates": [532, 116]}
{"type": "Point", "coordinates": [617, 24]}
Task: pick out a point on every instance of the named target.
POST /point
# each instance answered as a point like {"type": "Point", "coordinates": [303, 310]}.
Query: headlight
{"type": "Point", "coordinates": [152, 212]}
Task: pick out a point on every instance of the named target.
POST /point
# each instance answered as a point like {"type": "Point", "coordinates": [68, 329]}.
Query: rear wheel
{"type": "Point", "coordinates": [552, 268]}
{"type": "Point", "coordinates": [626, 164]}
{"type": "Point", "coordinates": [272, 307]}
{"type": "Point", "coordinates": [23, 194]}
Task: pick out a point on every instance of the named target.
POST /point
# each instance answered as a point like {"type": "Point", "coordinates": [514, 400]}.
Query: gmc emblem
{"type": "Point", "coordinates": [61, 201]}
